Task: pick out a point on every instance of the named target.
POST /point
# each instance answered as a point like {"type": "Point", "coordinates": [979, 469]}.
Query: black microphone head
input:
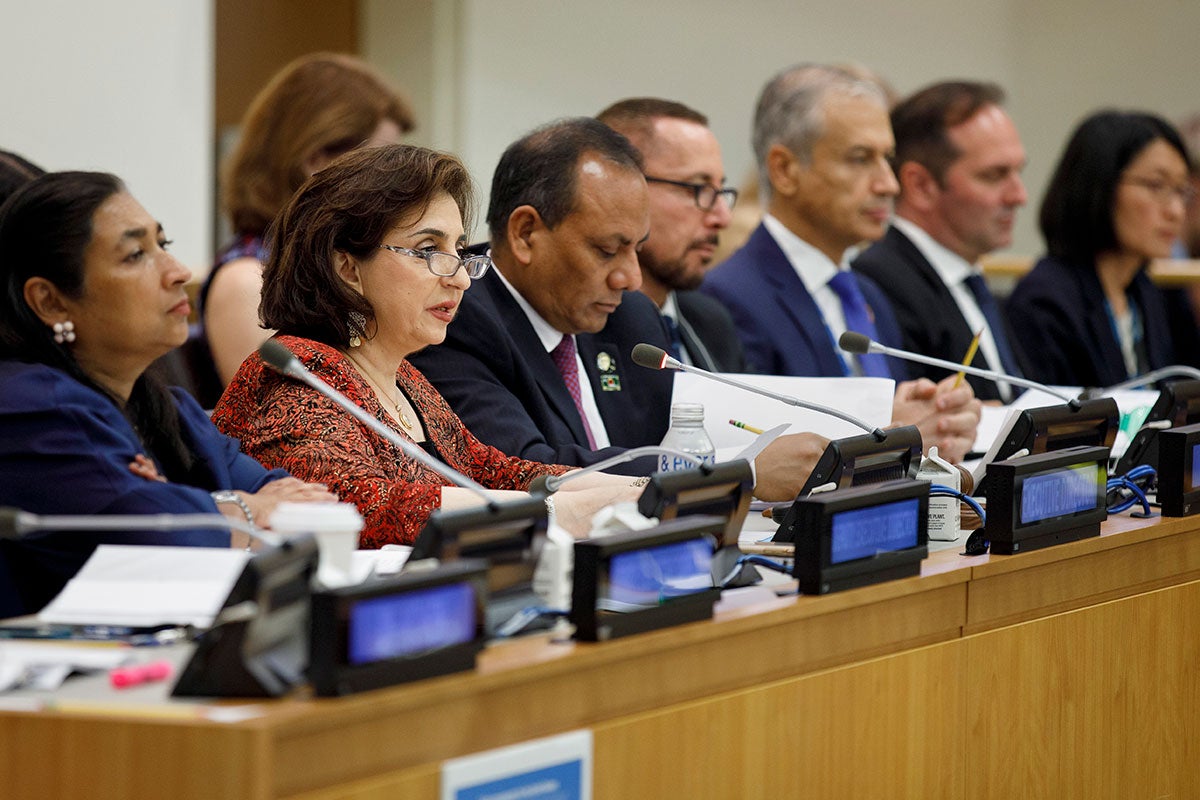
{"type": "Point", "coordinates": [854, 342]}
{"type": "Point", "coordinates": [276, 355]}
{"type": "Point", "coordinates": [647, 355]}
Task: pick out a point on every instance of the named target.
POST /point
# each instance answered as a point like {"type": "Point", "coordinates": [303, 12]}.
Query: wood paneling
{"type": "Point", "coordinates": [255, 38]}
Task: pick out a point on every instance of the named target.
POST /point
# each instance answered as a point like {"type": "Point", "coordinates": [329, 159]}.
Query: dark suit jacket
{"type": "Point", "coordinates": [708, 333]}
{"type": "Point", "coordinates": [1061, 324]}
{"type": "Point", "coordinates": [65, 449]}
{"type": "Point", "coordinates": [499, 379]}
{"type": "Point", "coordinates": [930, 321]}
{"type": "Point", "coordinates": [780, 325]}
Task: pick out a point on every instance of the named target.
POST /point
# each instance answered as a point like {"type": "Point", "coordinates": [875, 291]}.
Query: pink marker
{"type": "Point", "coordinates": [124, 677]}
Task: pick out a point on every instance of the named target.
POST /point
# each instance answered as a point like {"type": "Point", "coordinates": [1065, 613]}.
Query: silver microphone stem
{"type": "Point", "coordinates": [554, 482]}
{"type": "Point", "coordinates": [27, 522]}
{"type": "Point", "coordinates": [999, 377]}
{"type": "Point", "coordinates": [1174, 371]}
{"type": "Point", "coordinates": [295, 369]}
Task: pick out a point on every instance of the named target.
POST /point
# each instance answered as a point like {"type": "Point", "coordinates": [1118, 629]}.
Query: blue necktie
{"type": "Point", "coordinates": [859, 319]}
{"type": "Point", "coordinates": [673, 334]}
{"type": "Point", "coordinates": [991, 312]}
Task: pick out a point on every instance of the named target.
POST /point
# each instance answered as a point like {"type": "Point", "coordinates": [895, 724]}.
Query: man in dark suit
{"type": "Point", "coordinates": [958, 160]}
{"type": "Point", "coordinates": [689, 207]}
{"type": "Point", "coordinates": [822, 140]}
{"type": "Point", "coordinates": [537, 362]}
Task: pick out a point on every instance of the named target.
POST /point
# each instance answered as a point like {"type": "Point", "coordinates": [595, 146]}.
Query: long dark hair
{"type": "Point", "coordinates": [1077, 212]}
{"type": "Point", "coordinates": [45, 228]}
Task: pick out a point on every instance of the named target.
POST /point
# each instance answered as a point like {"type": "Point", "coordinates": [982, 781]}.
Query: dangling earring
{"type": "Point", "coordinates": [64, 332]}
{"type": "Point", "coordinates": [356, 326]}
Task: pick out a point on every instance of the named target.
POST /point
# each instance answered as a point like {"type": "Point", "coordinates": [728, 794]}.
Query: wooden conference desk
{"type": "Point", "coordinates": [1166, 272]}
{"type": "Point", "coordinates": [1072, 672]}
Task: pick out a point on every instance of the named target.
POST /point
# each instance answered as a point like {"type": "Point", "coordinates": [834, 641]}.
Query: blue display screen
{"type": "Point", "coordinates": [1067, 490]}
{"type": "Point", "coordinates": [411, 623]}
{"type": "Point", "coordinates": [642, 578]}
{"type": "Point", "coordinates": [1195, 467]}
{"type": "Point", "coordinates": [863, 532]}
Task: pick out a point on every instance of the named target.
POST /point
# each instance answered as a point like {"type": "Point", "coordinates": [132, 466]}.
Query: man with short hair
{"type": "Point", "coordinates": [822, 141]}
{"type": "Point", "coordinates": [958, 160]}
{"type": "Point", "coordinates": [689, 207]}
{"type": "Point", "coordinates": [528, 363]}
{"type": "Point", "coordinates": [537, 362]}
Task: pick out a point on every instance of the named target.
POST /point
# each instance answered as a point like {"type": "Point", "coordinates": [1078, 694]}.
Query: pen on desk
{"type": "Point", "coordinates": [968, 358]}
{"type": "Point", "coordinates": [735, 423]}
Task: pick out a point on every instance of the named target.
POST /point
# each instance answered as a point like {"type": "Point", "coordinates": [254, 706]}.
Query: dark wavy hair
{"type": "Point", "coordinates": [45, 229]}
{"type": "Point", "coordinates": [349, 207]}
{"type": "Point", "coordinates": [1077, 211]}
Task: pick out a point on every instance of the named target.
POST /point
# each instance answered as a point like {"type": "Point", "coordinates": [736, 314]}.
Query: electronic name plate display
{"type": "Point", "coordinates": [412, 626]}
{"type": "Point", "coordinates": [1179, 471]}
{"type": "Point", "coordinates": [637, 581]}
{"type": "Point", "coordinates": [858, 536]}
{"type": "Point", "coordinates": [1046, 499]}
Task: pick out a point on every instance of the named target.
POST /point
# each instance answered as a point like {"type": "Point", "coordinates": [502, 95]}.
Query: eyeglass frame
{"type": "Point", "coordinates": [1160, 188]}
{"type": "Point", "coordinates": [463, 263]}
{"type": "Point", "coordinates": [728, 192]}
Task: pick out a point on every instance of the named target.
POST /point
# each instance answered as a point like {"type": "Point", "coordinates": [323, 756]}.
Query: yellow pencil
{"type": "Point", "coordinates": [969, 357]}
{"type": "Point", "coordinates": [744, 426]}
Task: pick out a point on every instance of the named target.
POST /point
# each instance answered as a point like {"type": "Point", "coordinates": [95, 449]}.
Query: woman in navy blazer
{"type": "Point", "coordinates": [1088, 315]}
{"type": "Point", "coordinates": [92, 297]}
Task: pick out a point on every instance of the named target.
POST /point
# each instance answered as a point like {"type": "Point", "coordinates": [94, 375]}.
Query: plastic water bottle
{"type": "Point", "coordinates": [686, 434]}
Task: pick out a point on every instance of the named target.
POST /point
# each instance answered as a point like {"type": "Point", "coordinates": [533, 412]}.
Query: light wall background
{"type": "Point", "coordinates": [122, 87]}
{"type": "Point", "coordinates": [126, 86]}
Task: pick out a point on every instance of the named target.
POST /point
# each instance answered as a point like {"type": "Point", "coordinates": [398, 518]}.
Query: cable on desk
{"type": "Point", "coordinates": [1126, 491]}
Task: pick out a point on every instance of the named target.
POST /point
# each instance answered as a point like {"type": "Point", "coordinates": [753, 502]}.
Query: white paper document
{"type": "Point", "coordinates": [145, 586]}
{"type": "Point", "coordinates": [869, 399]}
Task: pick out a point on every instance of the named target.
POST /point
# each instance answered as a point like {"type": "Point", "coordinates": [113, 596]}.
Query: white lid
{"type": "Point", "coordinates": [315, 517]}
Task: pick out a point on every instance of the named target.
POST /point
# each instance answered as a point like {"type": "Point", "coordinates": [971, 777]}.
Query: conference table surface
{"type": "Point", "coordinates": [1072, 671]}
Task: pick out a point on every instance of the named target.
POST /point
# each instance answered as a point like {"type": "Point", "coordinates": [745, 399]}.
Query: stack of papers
{"type": "Point", "coordinates": [142, 586]}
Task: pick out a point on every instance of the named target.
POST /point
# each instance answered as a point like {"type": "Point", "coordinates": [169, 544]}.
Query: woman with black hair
{"type": "Point", "coordinates": [91, 297]}
{"type": "Point", "coordinates": [1088, 314]}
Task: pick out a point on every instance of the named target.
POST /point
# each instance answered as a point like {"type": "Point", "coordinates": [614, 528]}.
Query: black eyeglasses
{"type": "Point", "coordinates": [446, 265]}
{"type": "Point", "coordinates": [705, 194]}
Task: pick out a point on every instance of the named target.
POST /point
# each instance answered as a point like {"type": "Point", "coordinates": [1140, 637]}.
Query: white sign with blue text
{"type": "Point", "coordinates": [555, 768]}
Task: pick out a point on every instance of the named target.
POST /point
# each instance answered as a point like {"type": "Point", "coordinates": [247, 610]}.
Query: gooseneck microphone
{"type": "Point", "coordinates": [549, 484]}
{"type": "Point", "coordinates": [15, 524]}
{"type": "Point", "coordinates": [283, 360]}
{"type": "Point", "coordinates": [1154, 376]}
{"type": "Point", "coordinates": [857, 343]}
{"type": "Point", "coordinates": [647, 355]}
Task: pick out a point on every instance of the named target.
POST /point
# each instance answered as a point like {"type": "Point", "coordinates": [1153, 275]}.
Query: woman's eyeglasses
{"type": "Point", "coordinates": [446, 265]}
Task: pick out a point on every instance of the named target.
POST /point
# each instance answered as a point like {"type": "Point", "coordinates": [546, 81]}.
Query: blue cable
{"type": "Point", "coordinates": [939, 490]}
{"type": "Point", "coordinates": [1134, 494]}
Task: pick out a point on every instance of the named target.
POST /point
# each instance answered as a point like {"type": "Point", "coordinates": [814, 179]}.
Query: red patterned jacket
{"type": "Point", "coordinates": [284, 423]}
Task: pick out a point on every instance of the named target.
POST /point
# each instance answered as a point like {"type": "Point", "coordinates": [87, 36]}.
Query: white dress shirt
{"type": "Point", "coordinates": [815, 271]}
{"type": "Point", "coordinates": [550, 337]}
{"type": "Point", "coordinates": [954, 270]}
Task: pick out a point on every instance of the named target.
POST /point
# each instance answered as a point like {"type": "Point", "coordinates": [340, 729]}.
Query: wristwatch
{"type": "Point", "coordinates": [226, 496]}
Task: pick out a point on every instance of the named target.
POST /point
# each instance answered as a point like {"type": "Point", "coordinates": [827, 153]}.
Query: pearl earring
{"type": "Point", "coordinates": [64, 332]}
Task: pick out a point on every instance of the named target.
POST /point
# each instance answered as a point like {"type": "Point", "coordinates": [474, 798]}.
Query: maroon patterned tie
{"type": "Point", "coordinates": [564, 359]}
